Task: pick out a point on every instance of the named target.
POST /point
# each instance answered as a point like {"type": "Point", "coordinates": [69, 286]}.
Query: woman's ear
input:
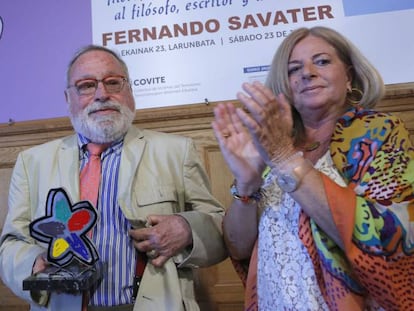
{"type": "Point", "coordinates": [350, 77]}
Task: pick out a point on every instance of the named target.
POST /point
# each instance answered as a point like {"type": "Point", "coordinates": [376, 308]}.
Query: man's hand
{"type": "Point", "coordinates": [40, 263]}
{"type": "Point", "coordinates": [164, 238]}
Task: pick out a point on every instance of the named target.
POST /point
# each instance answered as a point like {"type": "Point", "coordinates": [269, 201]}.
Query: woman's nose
{"type": "Point", "coordinates": [308, 71]}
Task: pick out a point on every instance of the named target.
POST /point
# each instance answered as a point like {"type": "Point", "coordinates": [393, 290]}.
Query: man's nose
{"type": "Point", "coordinates": [101, 93]}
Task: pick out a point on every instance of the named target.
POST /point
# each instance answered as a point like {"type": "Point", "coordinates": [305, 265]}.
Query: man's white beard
{"type": "Point", "coordinates": [102, 129]}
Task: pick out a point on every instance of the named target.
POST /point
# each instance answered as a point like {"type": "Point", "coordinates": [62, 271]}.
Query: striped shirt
{"type": "Point", "coordinates": [110, 235]}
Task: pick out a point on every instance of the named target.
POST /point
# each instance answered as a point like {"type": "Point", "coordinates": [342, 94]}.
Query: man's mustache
{"type": "Point", "coordinates": [97, 106]}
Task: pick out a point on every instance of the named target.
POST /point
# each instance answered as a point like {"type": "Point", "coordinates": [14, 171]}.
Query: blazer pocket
{"type": "Point", "coordinates": [160, 199]}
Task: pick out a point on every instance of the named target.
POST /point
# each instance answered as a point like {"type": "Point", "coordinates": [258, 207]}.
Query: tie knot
{"type": "Point", "coordinates": [95, 149]}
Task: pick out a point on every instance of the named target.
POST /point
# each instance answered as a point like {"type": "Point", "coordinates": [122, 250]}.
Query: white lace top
{"type": "Point", "coordinates": [286, 279]}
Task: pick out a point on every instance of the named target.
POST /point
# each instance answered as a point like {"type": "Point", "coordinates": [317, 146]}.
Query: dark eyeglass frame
{"type": "Point", "coordinates": [92, 90]}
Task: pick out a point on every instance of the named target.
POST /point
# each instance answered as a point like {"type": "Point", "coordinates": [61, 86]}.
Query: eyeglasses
{"type": "Point", "coordinates": [112, 84]}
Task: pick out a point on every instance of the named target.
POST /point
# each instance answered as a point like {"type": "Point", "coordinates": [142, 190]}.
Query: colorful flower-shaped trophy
{"type": "Point", "coordinates": [74, 262]}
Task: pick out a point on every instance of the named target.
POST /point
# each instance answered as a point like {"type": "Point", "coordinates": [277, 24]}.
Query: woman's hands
{"type": "Point", "coordinates": [270, 122]}
{"type": "Point", "coordinates": [249, 141]}
{"type": "Point", "coordinates": [238, 149]}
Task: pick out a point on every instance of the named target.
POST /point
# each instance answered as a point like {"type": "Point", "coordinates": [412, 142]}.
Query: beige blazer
{"type": "Point", "coordinates": [159, 174]}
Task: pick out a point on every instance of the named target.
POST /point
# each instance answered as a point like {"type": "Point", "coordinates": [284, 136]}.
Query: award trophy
{"type": "Point", "coordinates": [74, 265]}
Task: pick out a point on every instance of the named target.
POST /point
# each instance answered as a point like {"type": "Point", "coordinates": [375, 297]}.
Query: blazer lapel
{"type": "Point", "coordinates": [133, 148]}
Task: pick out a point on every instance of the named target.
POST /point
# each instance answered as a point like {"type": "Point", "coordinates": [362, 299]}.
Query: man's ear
{"type": "Point", "coordinates": [1, 26]}
{"type": "Point", "coordinates": [66, 96]}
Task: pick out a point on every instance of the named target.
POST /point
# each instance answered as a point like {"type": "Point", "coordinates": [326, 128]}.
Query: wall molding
{"type": "Point", "coordinates": [17, 136]}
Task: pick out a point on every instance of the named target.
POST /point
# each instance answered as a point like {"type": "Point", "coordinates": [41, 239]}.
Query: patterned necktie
{"type": "Point", "coordinates": [90, 178]}
{"type": "Point", "coordinates": [90, 175]}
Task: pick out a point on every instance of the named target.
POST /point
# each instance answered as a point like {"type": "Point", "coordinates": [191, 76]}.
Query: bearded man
{"type": "Point", "coordinates": [153, 197]}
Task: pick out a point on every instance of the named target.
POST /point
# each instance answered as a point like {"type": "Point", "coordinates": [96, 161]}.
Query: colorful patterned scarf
{"type": "Point", "coordinates": [374, 216]}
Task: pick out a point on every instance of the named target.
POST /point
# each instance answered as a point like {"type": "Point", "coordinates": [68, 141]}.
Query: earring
{"type": "Point", "coordinates": [354, 96]}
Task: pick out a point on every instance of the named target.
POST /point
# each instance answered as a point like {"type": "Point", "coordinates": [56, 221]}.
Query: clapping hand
{"type": "Point", "coordinates": [237, 147]}
{"type": "Point", "coordinates": [269, 122]}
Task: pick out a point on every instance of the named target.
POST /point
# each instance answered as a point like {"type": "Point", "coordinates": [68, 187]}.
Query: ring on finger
{"type": "Point", "coordinates": [152, 254]}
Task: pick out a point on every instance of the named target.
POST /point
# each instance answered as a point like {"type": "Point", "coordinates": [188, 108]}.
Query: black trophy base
{"type": "Point", "coordinates": [73, 278]}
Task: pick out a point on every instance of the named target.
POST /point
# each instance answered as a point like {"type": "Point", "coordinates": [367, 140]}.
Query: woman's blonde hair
{"type": "Point", "coordinates": [366, 80]}
{"type": "Point", "coordinates": [365, 77]}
